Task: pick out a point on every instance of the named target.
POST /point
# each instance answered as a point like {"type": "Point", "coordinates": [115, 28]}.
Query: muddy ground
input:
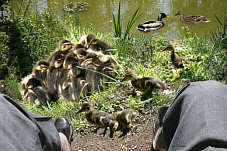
{"type": "Point", "coordinates": [139, 139]}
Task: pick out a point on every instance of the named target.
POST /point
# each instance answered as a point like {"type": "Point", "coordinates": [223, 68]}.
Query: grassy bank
{"type": "Point", "coordinates": [39, 35]}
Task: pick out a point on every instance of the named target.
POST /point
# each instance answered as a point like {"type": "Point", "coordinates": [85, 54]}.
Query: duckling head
{"type": "Point", "coordinates": [33, 82]}
{"type": "Point", "coordinates": [65, 45]}
{"type": "Point", "coordinates": [86, 107]}
{"type": "Point", "coordinates": [42, 65]}
{"type": "Point", "coordinates": [86, 40]}
{"type": "Point", "coordinates": [81, 53]}
{"type": "Point", "coordinates": [58, 62]}
{"type": "Point", "coordinates": [129, 76]}
{"type": "Point", "coordinates": [169, 47]}
{"type": "Point", "coordinates": [161, 16]}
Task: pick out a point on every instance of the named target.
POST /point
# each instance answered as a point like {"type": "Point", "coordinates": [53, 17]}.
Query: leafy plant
{"type": "Point", "coordinates": [118, 25]}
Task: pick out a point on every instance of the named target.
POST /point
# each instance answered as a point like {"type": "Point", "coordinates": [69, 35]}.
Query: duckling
{"type": "Point", "coordinates": [63, 83]}
{"type": "Point", "coordinates": [40, 71]}
{"type": "Point", "coordinates": [81, 54]}
{"type": "Point", "coordinates": [55, 68]}
{"type": "Point", "coordinates": [78, 88]}
{"type": "Point", "coordinates": [71, 63]}
{"type": "Point", "coordinates": [35, 93]}
{"type": "Point", "coordinates": [145, 84]}
{"type": "Point", "coordinates": [93, 74]}
{"type": "Point", "coordinates": [99, 45]}
{"type": "Point", "coordinates": [66, 46]}
{"type": "Point", "coordinates": [86, 40]}
{"type": "Point", "coordinates": [125, 119]}
{"type": "Point", "coordinates": [23, 87]}
{"type": "Point", "coordinates": [176, 60]}
{"type": "Point", "coordinates": [100, 119]}
{"type": "Point", "coordinates": [100, 59]}
{"type": "Point", "coordinates": [149, 26]}
{"type": "Point", "coordinates": [192, 20]}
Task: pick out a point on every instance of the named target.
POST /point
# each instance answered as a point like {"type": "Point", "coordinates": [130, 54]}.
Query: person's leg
{"type": "Point", "coordinates": [197, 118]}
{"type": "Point", "coordinates": [65, 146]}
{"type": "Point", "coordinates": [21, 130]}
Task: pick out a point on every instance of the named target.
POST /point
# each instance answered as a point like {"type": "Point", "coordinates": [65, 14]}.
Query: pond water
{"type": "Point", "coordinates": [99, 13]}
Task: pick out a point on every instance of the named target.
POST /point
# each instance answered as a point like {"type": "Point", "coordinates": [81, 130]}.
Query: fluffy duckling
{"type": "Point", "coordinates": [99, 118]}
{"type": "Point", "coordinates": [90, 41]}
{"type": "Point", "coordinates": [55, 68]}
{"type": "Point", "coordinates": [176, 60]}
{"type": "Point", "coordinates": [125, 119]}
{"type": "Point", "coordinates": [100, 59]}
{"type": "Point", "coordinates": [86, 40]}
{"type": "Point", "coordinates": [35, 93]}
{"type": "Point", "coordinates": [99, 45]}
{"type": "Point", "coordinates": [40, 71]}
{"type": "Point", "coordinates": [78, 88]}
{"type": "Point", "coordinates": [92, 74]}
{"type": "Point", "coordinates": [144, 84]}
{"type": "Point", "coordinates": [63, 83]}
{"type": "Point", "coordinates": [66, 46]}
{"type": "Point", "coordinates": [23, 88]}
{"type": "Point", "coordinates": [81, 54]}
{"type": "Point", "coordinates": [71, 63]}
{"type": "Point", "coordinates": [192, 20]}
{"type": "Point", "coordinates": [149, 26]}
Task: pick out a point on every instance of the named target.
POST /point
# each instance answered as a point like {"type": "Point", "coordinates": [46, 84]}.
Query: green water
{"type": "Point", "coordinates": [99, 13]}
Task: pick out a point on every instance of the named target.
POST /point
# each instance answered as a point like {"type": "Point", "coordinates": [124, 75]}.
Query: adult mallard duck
{"type": "Point", "coordinates": [192, 20]}
{"type": "Point", "coordinates": [149, 26]}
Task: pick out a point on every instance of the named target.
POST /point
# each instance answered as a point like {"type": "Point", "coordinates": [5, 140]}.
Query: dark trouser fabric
{"type": "Point", "coordinates": [24, 131]}
{"type": "Point", "coordinates": [197, 118]}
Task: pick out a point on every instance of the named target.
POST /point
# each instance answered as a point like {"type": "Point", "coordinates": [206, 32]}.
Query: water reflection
{"type": "Point", "coordinates": [99, 13]}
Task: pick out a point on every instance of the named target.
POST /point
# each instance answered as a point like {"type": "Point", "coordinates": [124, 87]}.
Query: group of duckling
{"type": "Point", "coordinates": [121, 120]}
{"type": "Point", "coordinates": [72, 71]}
{"type": "Point", "coordinates": [152, 25]}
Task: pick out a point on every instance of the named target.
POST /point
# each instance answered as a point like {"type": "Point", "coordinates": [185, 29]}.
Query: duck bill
{"type": "Point", "coordinates": [167, 16]}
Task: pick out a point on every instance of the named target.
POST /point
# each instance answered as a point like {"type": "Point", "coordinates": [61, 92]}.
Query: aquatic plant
{"type": "Point", "coordinates": [118, 24]}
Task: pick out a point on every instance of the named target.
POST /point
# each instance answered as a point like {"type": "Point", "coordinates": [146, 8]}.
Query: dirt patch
{"type": "Point", "coordinates": [139, 139]}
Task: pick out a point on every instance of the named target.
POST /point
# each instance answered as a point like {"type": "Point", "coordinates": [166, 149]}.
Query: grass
{"type": "Point", "coordinates": [204, 59]}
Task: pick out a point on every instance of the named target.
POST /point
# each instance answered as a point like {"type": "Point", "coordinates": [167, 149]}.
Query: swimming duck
{"type": "Point", "coordinates": [192, 20]}
{"type": "Point", "coordinates": [144, 84]}
{"type": "Point", "coordinates": [125, 119]}
{"type": "Point", "coordinates": [149, 26]}
{"type": "Point", "coordinates": [176, 60]}
{"type": "Point", "coordinates": [100, 119]}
